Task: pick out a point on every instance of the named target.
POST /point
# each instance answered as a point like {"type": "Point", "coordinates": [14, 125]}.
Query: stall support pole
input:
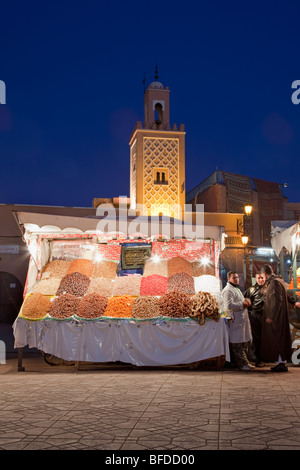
{"type": "Point", "coordinates": [20, 358]}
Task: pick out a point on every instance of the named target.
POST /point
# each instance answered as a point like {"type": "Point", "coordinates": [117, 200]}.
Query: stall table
{"type": "Point", "coordinates": [155, 342]}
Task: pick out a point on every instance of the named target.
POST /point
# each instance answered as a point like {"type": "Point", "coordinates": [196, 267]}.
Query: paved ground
{"type": "Point", "coordinates": [53, 407]}
{"type": "Point", "coordinates": [59, 407]}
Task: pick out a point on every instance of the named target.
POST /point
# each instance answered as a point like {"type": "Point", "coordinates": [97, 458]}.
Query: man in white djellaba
{"type": "Point", "coordinates": [236, 308]}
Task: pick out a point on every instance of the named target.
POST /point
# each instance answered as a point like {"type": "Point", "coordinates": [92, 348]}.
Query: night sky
{"type": "Point", "coordinates": [74, 91]}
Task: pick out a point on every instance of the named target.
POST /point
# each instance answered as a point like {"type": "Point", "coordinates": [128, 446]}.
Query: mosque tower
{"type": "Point", "coordinates": [157, 158]}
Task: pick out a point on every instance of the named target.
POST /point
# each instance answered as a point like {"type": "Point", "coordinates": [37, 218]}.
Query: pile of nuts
{"type": "Point", "coordinates": [127, 285]}
{"type": "Point", "coordinates": [146, 307]}
{"type": "Point", "coordinates": [83, 266]}
{"type": "Point", "coordinates": [179, 265]}
{"type": "Point", "coordinates": [74, 283]}
{"type": "Point", "coordinates": [182, 282]}
{"type": "Point", "coordinates": [91, 306]}
{"type": "Point", "coordinates": [101, 286]}
{"type": "Point", "coordinates": [175, 304]}
{"type": "Point", "coordinates": [47, 286]}
{"type": "Point", "coordinates": [57, 268]}
{"type": "Point", "coordinates": [106, 269]}
{"type": "Point", "coordinates": [36, 306]}
{"type": "Point", "coordinates": [151, 267]}
{"type": "Point", "coordinates": [64, 306]}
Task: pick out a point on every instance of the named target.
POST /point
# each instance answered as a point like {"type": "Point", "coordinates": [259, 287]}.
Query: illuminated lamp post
{"type": "Point", "coordinates": [247, 276]}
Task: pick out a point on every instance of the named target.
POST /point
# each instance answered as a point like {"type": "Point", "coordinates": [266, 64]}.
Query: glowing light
{"type": "Point", "coordinates": [244, 239]}
{"type": "Point", "coordinates": [248, 209]}
{"type": "Point", "coordinates": [204, 260]}
{"type": "Point", "coordinates": [155, 258]}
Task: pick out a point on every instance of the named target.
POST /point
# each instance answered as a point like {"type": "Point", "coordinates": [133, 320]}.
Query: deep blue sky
{"type": "Point", "coordinates": [74, 91]}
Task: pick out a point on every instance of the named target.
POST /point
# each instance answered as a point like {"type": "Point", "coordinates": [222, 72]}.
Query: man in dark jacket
{"type": "Point", "coordinates": [257, 294]}
{"type": "Point", "coordinates": [276, 344]}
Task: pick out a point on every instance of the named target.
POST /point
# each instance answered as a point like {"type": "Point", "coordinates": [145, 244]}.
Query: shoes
{"type": "Point", "coordinates": [247, 367]}
{"type": "Point", "coordinates": [279, 368]}
{"type": "Point", "coordinates": [259, 364]}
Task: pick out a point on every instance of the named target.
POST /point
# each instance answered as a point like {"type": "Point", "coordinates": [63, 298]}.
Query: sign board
{"type": "Point", "coordinates": [134, 257]}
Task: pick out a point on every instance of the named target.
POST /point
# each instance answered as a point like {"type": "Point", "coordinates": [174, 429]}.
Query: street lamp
{"type": "Point", "coordinates": [245, 240]}
{"type": "Point", "coordinates": [247, 276]}
{"type": "Point", "coordinates": [248, 210]}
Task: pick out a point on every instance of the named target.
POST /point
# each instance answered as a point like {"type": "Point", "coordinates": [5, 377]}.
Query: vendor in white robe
{"type": "Point", "coordinates": [236, 307]}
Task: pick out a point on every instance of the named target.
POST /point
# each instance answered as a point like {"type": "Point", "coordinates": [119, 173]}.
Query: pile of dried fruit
{"type": "Point", "coordinates": [83, 266]}
{"type": "Point", "coordinates": [119, 307]}
{"type": "Point", "coordinates": [47, 286]}
{"type": "Point", "coordinates": [179, 265]}
{"type": "Point", "coordinates": [74, 283]}
{"type": "Point", "coordinates": [35, 306]}
{"type": "Point", "coordinates": [154, 285]}
{"type": "Point", "coordinates": [182, 282]}
{"type": "Point", "coordinates": [64, 306]}
{"type": "Point", "coordinates": [146, 307]}
{"type": "Point", "coordinates": [175, 304]}
{"type": "Point", "coordinates": [107, 269]}
{"type": "Point", "coordinates": [153, 267]}
{"type": "Point", "coordinates": [101, 286]}
{"type": "Point", "coordinates": [92, 306]}
{"type": "Point", "coordinates": [57, 268]}
{"type": "Point", "coordinates": [127, 285]}
{"type": "Point", "coordinates": [204, 304]}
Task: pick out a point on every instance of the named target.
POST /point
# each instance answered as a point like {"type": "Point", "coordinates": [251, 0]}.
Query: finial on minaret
{"type": "Point", "coordinates": [156, 73]}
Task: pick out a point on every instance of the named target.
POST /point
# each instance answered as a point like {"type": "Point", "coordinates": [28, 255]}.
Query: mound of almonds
{"type": "Point", "coordinates": [91, 306]}
{"type": "Point", "coordinates": [64, 306]}
{"type": "Point", "coordinates": [73, 283]}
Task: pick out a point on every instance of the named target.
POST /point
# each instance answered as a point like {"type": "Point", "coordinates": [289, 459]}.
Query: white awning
{"type": "Point", "coordinates": [38, 223]}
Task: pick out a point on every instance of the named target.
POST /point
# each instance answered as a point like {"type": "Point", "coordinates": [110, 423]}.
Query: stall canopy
{"type": "Point", "coordinates": [36, 223]}
{"type": "Point", "coordinates": [283, 235]}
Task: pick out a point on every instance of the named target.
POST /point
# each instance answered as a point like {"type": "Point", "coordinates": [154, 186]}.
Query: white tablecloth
{"type": "Point", "coordinates": [142, 343]}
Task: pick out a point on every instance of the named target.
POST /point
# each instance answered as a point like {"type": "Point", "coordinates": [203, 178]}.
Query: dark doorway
{"type": "Point", "coordinates": [11, 297]}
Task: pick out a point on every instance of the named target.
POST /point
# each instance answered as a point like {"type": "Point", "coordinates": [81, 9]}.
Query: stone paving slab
{"type": "Point", "coordinates": [61, 408]}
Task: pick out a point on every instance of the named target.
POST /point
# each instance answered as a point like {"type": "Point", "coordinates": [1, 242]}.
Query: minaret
{"type": "Point", "coordinates": [157, 157]}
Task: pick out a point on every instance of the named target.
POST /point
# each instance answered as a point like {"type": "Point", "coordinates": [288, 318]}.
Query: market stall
{"type": "Point", "coordinates": [105, 296]}
{"type": "Point", "coordinates": [285, 239]}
